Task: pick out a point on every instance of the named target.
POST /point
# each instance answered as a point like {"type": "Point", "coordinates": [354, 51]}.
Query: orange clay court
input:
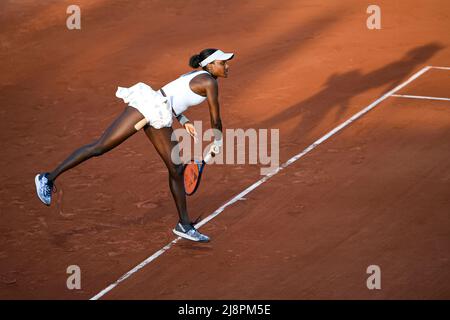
{"type": "Point", "coordinates": [376, 192]}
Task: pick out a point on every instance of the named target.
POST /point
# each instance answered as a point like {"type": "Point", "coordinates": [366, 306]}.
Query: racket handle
{"type": "Point", "coordinates": [138, 126]}
{"type": "Point", "coordinates": [208, 157]}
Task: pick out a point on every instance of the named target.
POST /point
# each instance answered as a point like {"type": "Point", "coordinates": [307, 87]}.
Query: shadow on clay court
{"type": "Point", "coordinates": [340, 88]}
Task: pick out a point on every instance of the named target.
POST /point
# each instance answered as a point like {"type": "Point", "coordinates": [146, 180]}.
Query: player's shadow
{"type": "Point", "coordinates": [339, 89]}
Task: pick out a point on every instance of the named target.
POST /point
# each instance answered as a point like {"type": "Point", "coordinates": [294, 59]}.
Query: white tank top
{"type": "Point", "coordinates": [180, 94]}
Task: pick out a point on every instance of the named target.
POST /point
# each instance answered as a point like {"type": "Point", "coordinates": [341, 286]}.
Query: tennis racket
{"type": "Point", "coordinates": [192, 174]}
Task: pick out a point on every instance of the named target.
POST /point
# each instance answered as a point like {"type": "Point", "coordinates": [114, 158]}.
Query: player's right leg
{"type": "Point", "coordinates": [120, 130]}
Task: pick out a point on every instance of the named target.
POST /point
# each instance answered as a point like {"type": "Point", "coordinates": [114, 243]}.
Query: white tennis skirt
{"type": "Point", "coordinates": [153, 106]}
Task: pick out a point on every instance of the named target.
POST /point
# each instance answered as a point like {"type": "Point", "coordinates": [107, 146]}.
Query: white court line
{"type": "Point", "coordinates": [424, 97]}
{"type": "Point", "coordinates": [418, 97]}
{"type": "Point", "coordinates": [241, 195]}
{"type": "Point", "coordinates": [441, 68]}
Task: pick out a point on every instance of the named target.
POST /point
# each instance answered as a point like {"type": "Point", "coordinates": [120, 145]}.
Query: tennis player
{"type": "Point", "coordinates": [158, 109]}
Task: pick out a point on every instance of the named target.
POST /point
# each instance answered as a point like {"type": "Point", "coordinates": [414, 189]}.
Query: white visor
{"type": "Point", "coordinates": [218, 55]}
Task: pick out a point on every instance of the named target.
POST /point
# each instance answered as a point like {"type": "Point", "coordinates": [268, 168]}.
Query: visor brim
{"type": "Point", "coordinates": [226, 56]}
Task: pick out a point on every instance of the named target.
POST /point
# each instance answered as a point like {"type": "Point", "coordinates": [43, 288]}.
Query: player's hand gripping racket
{"type": "Point", "coordinates": [193, 172]}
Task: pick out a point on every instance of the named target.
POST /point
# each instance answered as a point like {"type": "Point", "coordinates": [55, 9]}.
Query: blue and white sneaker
{"type": "Point", "coordinates": [44, 188]}
{"type": "Point", "coordinates": [189, 232]}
